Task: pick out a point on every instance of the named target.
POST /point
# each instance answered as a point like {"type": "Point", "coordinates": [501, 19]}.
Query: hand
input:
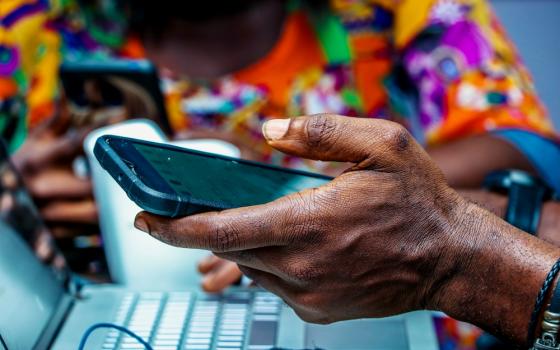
{"type": "Point", "coordinates": [45, 163]}
{"type": "Point", "coordinates": [218, 274]}
{"type": "Point", "coordinates": [370, 238]}
{"type": "Point", "coordinates": [386, 237]}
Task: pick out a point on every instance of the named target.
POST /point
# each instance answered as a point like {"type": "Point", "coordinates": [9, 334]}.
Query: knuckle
{"type": "Point", "coordinates": [321, 130]}
{"type": "Point", "coordinates": [398, 138]}
{"type": "Point", "coordinates": [226, 237]}
{"type": "Point", "coordinates": [305, 226]}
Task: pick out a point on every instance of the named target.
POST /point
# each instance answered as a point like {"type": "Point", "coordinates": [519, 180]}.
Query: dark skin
{"type": "Point", "coordinates": [392, 218]}
{"type": "Point", "coordinates": [208, 50]}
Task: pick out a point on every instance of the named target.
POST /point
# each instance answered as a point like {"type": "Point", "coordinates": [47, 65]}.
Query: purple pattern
{"type": "Point", "coordinates": [23, 11]}
{"type": "Point", "coordinates": [9, 66]}
{"type": "Point", "coordinates": [461, 47]}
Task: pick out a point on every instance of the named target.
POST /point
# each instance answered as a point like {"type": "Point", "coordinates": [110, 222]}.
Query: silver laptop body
{"type": "Point", "coordinates": [44, 306]}
{"type": "Point", "coordinates": [39, 313]}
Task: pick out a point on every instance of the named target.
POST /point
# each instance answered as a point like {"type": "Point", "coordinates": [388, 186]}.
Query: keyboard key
{"type": "Point", "coordinates": [197, 347]}
{"type": "Point", "coordinates": [233, 326]}
{"type": "Point", "coordinates": [229, 344]}
{"type": "Point", "coordinates": [198, 340]}
{"type": "Point", "coordinates": [132, 346]}
{"type": "Point", "coordinates": [206, 335]}
{"type": "Point", "coordinates": [263, 333]}
{"type": "Point", "coordinates": [231, 332]}
{"type": "Point", "coordinates": [265, 317]}
{"type": "Point", "coordinates": [167, 342]}
{"type": "Point", "coordinates": [230, 338]}
{"type": "Point", "coordinates": [168, 337]}
{"type": "Point", "coordinates": [201, 329]}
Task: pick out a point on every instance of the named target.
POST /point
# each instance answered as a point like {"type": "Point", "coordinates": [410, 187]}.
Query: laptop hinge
{"type": "Point", "coordinates": [3, 345]}
{"type": "Point", "coordinates": [55, 323]}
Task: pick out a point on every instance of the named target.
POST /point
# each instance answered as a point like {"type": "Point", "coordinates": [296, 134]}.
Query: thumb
{"type": "Point", "coordinates": [371, 143]}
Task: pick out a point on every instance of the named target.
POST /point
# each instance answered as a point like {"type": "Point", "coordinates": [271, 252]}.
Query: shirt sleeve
{"type": "Point", "coordinates": [29, 60]}
{"type": "Point", "coordinates": [543, 153]}
{"type": "Point", "coordinates": [468, 77]}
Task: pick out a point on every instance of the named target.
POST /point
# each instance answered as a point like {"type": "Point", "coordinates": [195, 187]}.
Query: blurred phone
{"type": "Point", "coordinates": [172, 181]}
{"type": "Point", "coordinates": [113, 90]}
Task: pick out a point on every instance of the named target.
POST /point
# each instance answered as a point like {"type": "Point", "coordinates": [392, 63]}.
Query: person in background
{"type": "Point", "coordinates": [444, 69]}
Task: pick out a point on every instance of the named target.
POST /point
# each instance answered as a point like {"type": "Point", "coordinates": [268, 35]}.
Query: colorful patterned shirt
{"type": "Point", "coordinates": [443, 68]}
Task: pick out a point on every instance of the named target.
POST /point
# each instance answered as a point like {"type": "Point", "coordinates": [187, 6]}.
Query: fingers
{"type": "Point", "coordinates": [217, 232]}
{"type": "Point", "coordinates": [207, 264]}
{"type": "Point", "coordinates": [327, 137]}
{"type": "Point", "coordinates": [35, 156]}
{"type": "Point", "coordinates": [83, 212]}
{"type": "Point", "coordinates": [224, 274]}
{"type": "Point", "coordinates": [265, 225]}
{"type": "Point", "coordinates": [59, 184]}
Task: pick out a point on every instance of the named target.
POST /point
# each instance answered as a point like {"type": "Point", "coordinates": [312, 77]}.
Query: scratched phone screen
{"type": "Point", "coordinates": [234, 184]}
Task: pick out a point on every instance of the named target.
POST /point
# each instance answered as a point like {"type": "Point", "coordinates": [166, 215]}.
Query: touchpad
{"type": "Point", "coordinates": [358, 335]}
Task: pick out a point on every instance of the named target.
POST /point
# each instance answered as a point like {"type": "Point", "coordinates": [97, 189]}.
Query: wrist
{"type": "Point", "coordinates": [549, 226]}
{"type": "Point", "coordinates": [492, 275]}
{"type": "Point", "coordinates": [491, 201]}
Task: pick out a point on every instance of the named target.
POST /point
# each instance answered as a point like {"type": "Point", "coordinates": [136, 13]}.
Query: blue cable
{"type": "Point", "coordinates": [122, 329]}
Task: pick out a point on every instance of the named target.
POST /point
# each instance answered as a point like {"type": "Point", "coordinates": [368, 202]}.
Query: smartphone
{"type": "Point", "coordinates": [132, 84]}
{"type": "Point", "coordinates": [174, 182]}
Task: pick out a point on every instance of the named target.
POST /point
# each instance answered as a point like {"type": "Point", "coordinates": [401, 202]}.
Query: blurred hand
{"type": "Point", "coordinates": [218, 274]}
{"type": "Point", "coordinates": [377, 241]}
{"type": "Point", "coordinates": [45, 162]}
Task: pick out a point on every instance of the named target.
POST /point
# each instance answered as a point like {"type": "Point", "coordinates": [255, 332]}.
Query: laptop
{"type": "Point", "coordinates": [146, 261]}
{"type": "Point", "coordinates": [44, 306]}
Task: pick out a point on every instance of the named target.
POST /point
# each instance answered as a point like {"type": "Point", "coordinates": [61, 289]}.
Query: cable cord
{"type": "Point", "coordinates": [121, 329]}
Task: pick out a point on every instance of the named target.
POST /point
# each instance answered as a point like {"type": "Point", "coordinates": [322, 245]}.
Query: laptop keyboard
{"type": "Point", "coordinates": [177, 321]}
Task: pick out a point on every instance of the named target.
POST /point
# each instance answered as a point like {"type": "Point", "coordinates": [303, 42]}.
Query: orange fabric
{"type": "Point", "coordinates": [279, 68]}
{"type": "Point", "coordinates": [371, 66]}
{"type": "Point", "coordinates": [8, 88]}
{"type": "Point", "coordinates": [464, 121]}
{"type": "Point", "coordinates": [133, 49]}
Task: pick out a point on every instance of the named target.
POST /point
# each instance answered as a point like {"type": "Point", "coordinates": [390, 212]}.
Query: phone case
{"type": "Point", "coordinates": [157, 202]}
{"type": "Point", "coordinates": [147, 198]}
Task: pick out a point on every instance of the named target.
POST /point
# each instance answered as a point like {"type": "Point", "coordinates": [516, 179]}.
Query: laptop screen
{"type": "Point", "coordinates": [32, 271]}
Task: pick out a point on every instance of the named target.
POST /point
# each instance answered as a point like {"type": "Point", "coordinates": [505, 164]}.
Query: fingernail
{"type": "Point", "coordinates": [275, 129]}
{"type": "Point", "coordinates": [142, 225]}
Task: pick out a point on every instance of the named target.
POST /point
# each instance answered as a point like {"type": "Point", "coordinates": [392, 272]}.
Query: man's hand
{"type": "Point", "coordinates": [386, 237]}
{"type": "Point", "coordinates": [380, 226]}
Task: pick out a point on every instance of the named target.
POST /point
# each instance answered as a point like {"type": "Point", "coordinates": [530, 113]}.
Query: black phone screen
{"type": "Point", "coordinates": [233, 183]}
